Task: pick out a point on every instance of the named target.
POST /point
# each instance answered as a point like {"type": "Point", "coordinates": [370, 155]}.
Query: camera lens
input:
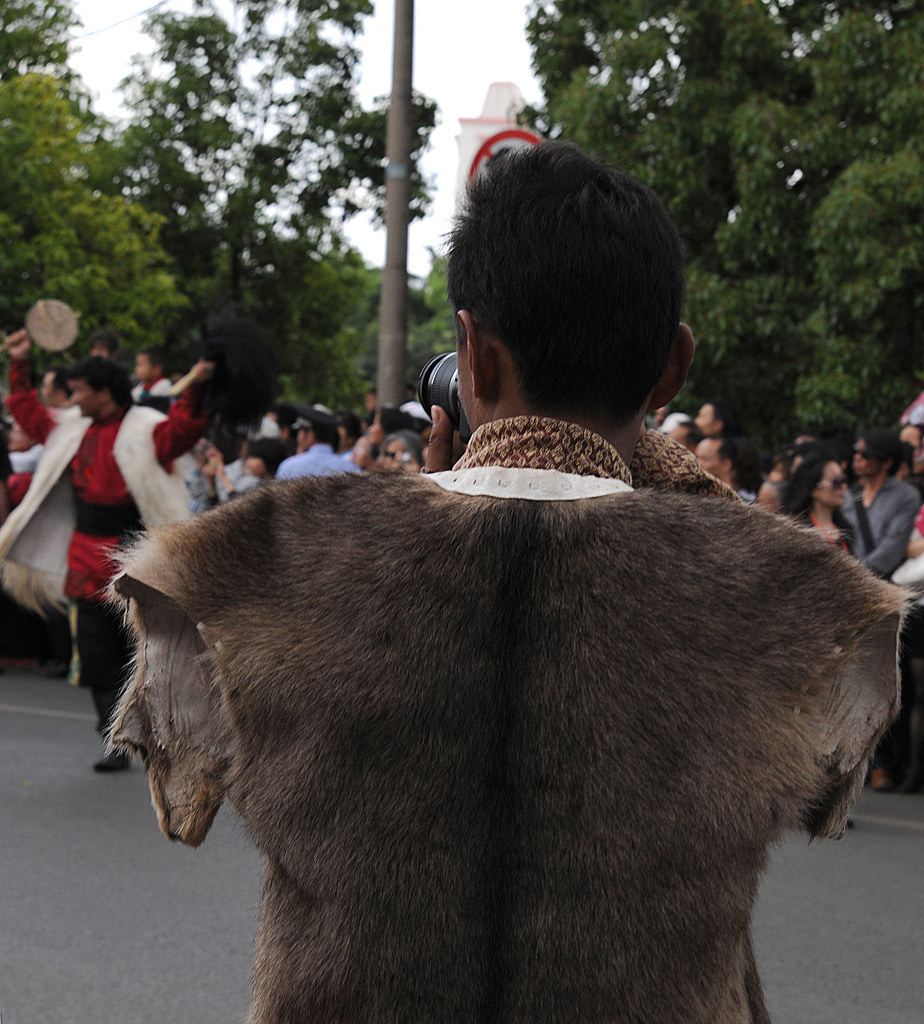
{"type": "Point", "coordinates": [439, 385]}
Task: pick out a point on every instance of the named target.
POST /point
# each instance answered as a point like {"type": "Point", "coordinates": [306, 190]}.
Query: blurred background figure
{"type": "Point", "coordinates": [350, 430]}
{"type": "Point", "coordinates": [403, 452]}
{"type": "Point", "coordinates": [682, 429]}
{"type": "Point", "coordinates": [264, 456]}
{"type": "Point", "coordinates": [149, 371]}
{"type": "Point", "coordinates": [882, 512]}
{"type": "Point", "coordinates": [55, 392]}
{"type": "Point", "coordinates": [105, 342]}
{"type": "Point", "coordinates": [717, 419]}
{"type": "Point", "coordinates": [318, 438]}
{"type": "Point", "coordinates": [815, 495]}
{"type": "Point", "coordinates": [734, 461]}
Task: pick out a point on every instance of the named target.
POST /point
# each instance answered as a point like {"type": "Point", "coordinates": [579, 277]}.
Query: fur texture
{"type": "Point", "coordinates": [492, 781]}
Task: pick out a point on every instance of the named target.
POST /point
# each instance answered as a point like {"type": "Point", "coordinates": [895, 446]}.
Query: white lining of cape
{"type": "Point", "coordinates": [532, 484]}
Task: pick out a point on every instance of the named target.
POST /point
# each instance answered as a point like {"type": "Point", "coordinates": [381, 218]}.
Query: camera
{"type": "Point", "coordinates": [439, 385]}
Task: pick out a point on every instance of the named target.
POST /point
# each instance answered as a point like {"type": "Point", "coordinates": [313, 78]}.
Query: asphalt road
{"type": "Point", "coordinates": [103, 920]}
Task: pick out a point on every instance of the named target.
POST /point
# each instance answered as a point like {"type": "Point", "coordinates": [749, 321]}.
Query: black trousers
{"type": "Point", "coordinates": [105, 654]}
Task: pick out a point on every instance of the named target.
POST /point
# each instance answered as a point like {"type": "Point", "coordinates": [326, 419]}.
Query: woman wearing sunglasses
{"type": "Point", "coordinates": [815, 494]}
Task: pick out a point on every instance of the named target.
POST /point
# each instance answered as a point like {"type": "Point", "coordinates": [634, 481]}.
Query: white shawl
{"type": "Point", "coordinates": [35, 538]}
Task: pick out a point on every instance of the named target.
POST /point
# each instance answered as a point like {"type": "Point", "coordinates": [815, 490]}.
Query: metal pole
{"type": "Point", "coordinates": [399, 141]}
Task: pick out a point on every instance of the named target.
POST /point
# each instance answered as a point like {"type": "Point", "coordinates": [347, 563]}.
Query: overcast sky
{"type": "Point", "coordinates": [459, 50]}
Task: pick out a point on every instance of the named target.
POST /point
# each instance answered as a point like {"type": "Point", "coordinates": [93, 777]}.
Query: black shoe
{"type": "Point", "coordinates": [114, 761]}
{"type": "Point", "coordinates": [913, 783]}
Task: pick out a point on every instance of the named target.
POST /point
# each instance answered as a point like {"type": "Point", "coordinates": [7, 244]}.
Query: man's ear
{"type": "Point", "coordinates": [481, 356]}
{"type": "Point", "coordinates": [678, 364]}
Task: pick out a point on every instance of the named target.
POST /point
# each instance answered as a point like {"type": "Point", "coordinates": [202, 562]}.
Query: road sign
{"type": "Point", "coordinates": [509, 138]}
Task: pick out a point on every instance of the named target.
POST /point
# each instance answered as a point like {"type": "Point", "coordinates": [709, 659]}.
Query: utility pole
{"type": "Point", "coordinates": [399, 141]}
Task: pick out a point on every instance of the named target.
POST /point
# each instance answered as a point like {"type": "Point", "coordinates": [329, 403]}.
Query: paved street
{"type": "Point", "coordinates": [102, 920]}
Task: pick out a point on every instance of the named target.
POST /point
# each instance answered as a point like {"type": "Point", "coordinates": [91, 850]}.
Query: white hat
{"type": "Point", "coordinates": [416, 410]}
{"type": "Point", "coordinates": [673, 420]}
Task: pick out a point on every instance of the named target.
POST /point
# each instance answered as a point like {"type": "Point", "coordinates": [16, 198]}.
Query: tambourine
{"type": "Point", "coordinates": [52, 325]}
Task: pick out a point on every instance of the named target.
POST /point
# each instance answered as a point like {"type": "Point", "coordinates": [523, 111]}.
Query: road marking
{"type": "Point", "coordinates": [76, 715]}
{"type": "Point", "coordinates": [876, 819]}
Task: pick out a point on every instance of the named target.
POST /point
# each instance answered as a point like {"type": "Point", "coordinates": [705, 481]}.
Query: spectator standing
{"type": "Point", "coordinates": [882, 512]}
{"type": "Point", "coordinates": [106, 343]}
{"type": "Point", "coordinates": [913, 667]}
{"type": "Point", "coordinates": [734, 461]}
{"type": "Point", "coordinates": [682, 429]}
{"type": "Point", "coordinates": [815, 494]}
{"type": "Point", "coordinates": [149, 369]}
{"type": "Point", "coordinates": [716, 419]}
{"type": "Point", "coordinates": [317, 443]}
{"type": "Point", "coordinates": [403, 452]}
{"type": "Point", "coordinates": [880, 508]}
{"type": "Point", "coordinates": [264, 457]}
{"type": "Point", "coordinates": [350, 430]}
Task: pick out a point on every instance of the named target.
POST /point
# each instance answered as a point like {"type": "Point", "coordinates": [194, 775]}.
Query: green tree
{"type": "Point", "coordinates": [248, 139]}
{"type": "Point", "coordinates": [784, 141]}
{"type": "Point", "coordinates": [430, 329]}
{"type": "Point", "coordinates": [65, 239]}
{"type": "Point", "coordinates": [33, 37]}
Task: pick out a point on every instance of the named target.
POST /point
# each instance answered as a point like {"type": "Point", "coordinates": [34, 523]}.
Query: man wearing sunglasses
{"type": "Point", "coordinates": [881, 509]}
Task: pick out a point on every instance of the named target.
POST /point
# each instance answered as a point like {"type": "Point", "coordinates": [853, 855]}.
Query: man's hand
{"type": "Point", "coordinates": [439, 452]}
{"type": "Point", "coordinates": [18, 345]}
{"type": "Point", "coordinates": [201, 372]}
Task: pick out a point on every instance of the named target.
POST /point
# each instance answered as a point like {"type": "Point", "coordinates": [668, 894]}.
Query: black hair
{"type": "Point", "coordinates": [721, 410]}
{"type": "Point", "coordinates": [796, 498]}
{"type": "Point", "coordinates": [100, 372]}
{"type": "Point", "coordinates": [350, 423]}
{"type": "Point", "coordinates": [326, 433]}
{"type": "Point", "coordinates": [5, 468]}
{"type": "Point", "coordinates": [883, 444]}
{"type": "Point", "coordinates": [111, 340]}
{"type": "Point", "coordinates": [60, 380]}
{"type": "Point", "coordinates": [157, 356]}
{"type": "Point", "coordinates": [271, 451]}
{"type": "Point", "coordinates": [578, 270]}
{"type": "Point", "coordinates": [745, 459]}
{"type": "Point", "coordinates": [286, 414]}
{"type": "Point", "coordinates": [694, 436]}
{"type": "Point", "coordinates": [393, 420]}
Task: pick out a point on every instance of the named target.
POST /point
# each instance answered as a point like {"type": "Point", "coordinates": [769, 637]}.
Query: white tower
{"type": "Point", "coordinates": [501, 106]}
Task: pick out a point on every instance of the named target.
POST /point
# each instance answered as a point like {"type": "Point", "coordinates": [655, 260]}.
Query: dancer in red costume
{"type": "Point", "coordinates": [109, 467]}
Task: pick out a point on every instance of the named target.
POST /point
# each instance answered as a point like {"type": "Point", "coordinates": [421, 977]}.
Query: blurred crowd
{"type": "Point", "coordinates": [863, 491]}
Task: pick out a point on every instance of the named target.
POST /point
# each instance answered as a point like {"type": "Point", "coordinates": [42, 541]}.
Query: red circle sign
{"type": "Point", "coordinates": [510, 138]}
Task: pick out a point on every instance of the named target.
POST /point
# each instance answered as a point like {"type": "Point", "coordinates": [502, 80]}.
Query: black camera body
{"type": "Point", "coordinates": [439, 385]}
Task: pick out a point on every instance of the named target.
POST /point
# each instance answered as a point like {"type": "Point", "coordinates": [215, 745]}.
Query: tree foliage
{"type": "Point", "coordinates": [785, 141]}
{"type": "Point", "coordinates": [247, 137]}
{"type": "Point", "coordinates": [430, 329]}
{"type": "Point", "coordinates": [34, 37]}
{"type": "Point", "coordinates": [65, 239]}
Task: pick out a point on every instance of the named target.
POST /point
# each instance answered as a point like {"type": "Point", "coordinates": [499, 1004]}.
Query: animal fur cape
{"type": "Point", "coordinates": [34, 539]}
{"type": "Point", "coordinates": [509, 761]}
